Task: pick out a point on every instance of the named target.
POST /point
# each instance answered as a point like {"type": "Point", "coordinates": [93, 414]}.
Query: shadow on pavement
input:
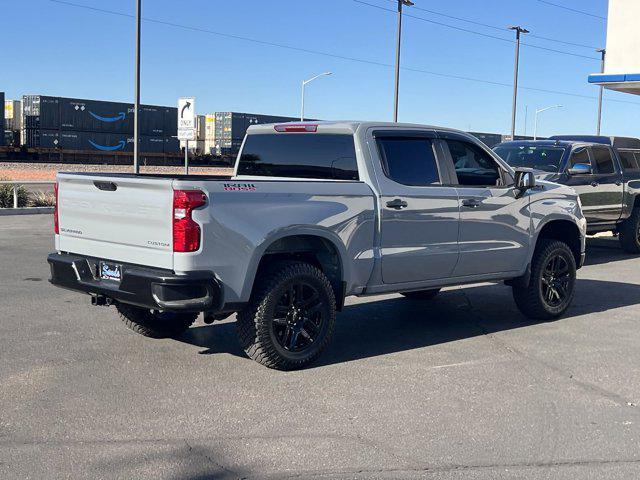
{"type": "Point", "coordinates": [605, 250]}
{"type": "Point", "coordinates": [399, 324]}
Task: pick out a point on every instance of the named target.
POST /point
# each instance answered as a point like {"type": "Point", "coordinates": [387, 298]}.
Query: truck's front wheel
{"type": "Point", "coordinates": [290, 317]}
{"type": "Point", "coordinates": [629, 232]}
{"type": "Point", "coordinates": [155, 324]}
{"type": "Point", "coordinates": [552, 282]}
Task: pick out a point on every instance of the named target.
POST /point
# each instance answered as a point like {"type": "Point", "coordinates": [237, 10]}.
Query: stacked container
{"type": "Point", "coordinates": [231, 127]}
{"type": "Point", "coordinates": [96, 126]}
{"type": "Point", "coordinates": [2, 137]}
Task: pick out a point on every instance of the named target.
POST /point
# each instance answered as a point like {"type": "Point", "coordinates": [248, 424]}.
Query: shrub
{"type": "Point", "coordinates": [42, 199]}
{"type": "Point", "coordinates": [6, 195]}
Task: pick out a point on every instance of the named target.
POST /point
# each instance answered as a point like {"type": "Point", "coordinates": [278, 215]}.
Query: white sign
{"type": "Point", "coordinates": [187, 118]}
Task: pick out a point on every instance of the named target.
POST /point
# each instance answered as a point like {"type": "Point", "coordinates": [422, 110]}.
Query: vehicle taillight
{"type": "Point", "coordinates": [186, 232]}
{"type": "Point", "coordinates": [297, 127]}
{"type": "Point", "coordinates": [56, 227]}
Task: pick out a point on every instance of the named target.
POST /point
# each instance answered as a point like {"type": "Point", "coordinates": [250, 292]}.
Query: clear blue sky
{"type": "Point", "coordinates": [77, 52]}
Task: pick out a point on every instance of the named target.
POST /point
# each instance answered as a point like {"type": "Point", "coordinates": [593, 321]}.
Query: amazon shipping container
{"type": "Point", "coordinates": [81, 115]}
{"type": "Point", "coordinates": [92, 125]}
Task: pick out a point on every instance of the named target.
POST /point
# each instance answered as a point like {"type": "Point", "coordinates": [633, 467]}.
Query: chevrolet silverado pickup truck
{"type": "Point", "coordinates": [605, 171]}
{"type": "Point", "coordinates": [315, 212]}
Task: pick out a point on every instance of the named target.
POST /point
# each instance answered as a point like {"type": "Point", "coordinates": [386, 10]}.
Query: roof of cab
{"type": "Point", "coordinates": [348, 126]}
{"type": "Point", "coordinates": [540, 143]}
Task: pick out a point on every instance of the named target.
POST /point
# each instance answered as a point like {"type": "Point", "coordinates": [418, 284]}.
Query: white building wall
{"type": "Point", "coordinates": [623, 37]}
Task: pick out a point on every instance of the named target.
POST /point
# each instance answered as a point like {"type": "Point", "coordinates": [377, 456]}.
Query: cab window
{"type": "Point", "coordinates": [473, 166]}
{"type": "Point", "coordinates": [579, 155]}
{"type": "Point", "coordinates": [409, 161]}
{"type": "Point", "coordinates": [603, 160]}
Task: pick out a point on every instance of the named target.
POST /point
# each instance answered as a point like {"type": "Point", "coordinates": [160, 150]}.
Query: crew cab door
{"type": "Point", "coordinates": [419, 213]}
{"type": "Point", "coordinates": [494, 234]}
{"type": "Point", "coordinates": [601, 191]}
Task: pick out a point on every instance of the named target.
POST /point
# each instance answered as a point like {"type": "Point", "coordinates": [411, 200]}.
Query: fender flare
{"type": "Point", "coordinates": [294, 231]}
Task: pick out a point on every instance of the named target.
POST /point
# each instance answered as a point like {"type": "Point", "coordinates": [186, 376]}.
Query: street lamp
{"type": "Point", "coordinates": [518, 29]}
{"type": "Point", "coordinates": [603, 52]}
{"type": "Point", "coordinates": [408, 3]}
{"type": "Point", "coordinates": [535, 125]}
{"type": "Point", "coordinates": [304, 83]}
{"type": "Point", "coordinates": [136, 106]}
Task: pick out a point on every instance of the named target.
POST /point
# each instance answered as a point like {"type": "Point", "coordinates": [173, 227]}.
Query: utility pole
{"type": "Point", "coordinates": [136, 107]}
{"type": "Point", "coordinates": [408, 3]}
{"type": "Point", "coordinates": [603, 52]}
{"type": "Point", "coordinates": [519, 30]}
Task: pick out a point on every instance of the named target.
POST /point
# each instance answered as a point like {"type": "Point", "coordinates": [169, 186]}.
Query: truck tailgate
{"type": "Point", "coordinates": [121, 218]}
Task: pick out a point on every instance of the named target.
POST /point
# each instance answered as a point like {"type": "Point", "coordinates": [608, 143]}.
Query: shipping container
{"type": "Point", "coordinates": [2, 142]}
{"type": "Point", "coordinates": [96, 116]}
{"type": "Point", "coordinates": [231, 127]}
{"type": "Point", "coordinates": [12, 114]}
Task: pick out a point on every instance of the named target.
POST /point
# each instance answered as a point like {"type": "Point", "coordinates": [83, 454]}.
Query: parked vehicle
{"type": "Point", "coordinates": [315, 212]}
{"type": "Point", "coordinates": [605, 171]}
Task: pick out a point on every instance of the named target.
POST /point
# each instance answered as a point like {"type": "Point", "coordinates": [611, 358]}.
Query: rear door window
{"type": "Point", "coordinates": [409, 161]}
{"type": "Point", "coordinates": [628, 159]}
{"type": "Point", "coordinates": [603, 160]}
{"type": "Point", "coordinates": [299, 155]}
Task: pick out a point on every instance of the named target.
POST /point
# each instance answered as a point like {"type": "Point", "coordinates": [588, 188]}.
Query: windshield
{"type": "Point", "coordinates": [547, 159]}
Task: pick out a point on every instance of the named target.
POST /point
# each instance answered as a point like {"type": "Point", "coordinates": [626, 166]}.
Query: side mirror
{"type": "Point", "coordinates": [524, 180]}
{"type": "Point", "coordinates": [580, 169]}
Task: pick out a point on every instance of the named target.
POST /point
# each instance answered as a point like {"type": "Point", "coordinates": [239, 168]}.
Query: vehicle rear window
{"type": "Point", "coordinates": [299, 155]}
{"type": "Point", "coordinates": [629, 159]}
{"type": "Point", "coordinates": [603, 160]}
{"type": "Point", "coordinates": [547, 159]}
{"type": "Point", "coordinates": [409, 161]}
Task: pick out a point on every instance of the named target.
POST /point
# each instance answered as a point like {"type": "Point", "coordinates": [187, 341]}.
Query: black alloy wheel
{"type": "Point", "coordinates": [298, 318]}
{"type": "Point", "coordinates": [556, 280]}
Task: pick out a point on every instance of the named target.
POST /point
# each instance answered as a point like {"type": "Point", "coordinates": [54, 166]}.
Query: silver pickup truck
{"type": "Point", "coordinates": [315, 212]}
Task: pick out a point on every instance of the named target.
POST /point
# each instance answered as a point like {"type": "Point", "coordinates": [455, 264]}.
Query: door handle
{"type": "Point", "coordinates": [397, 203]}
{"type": "Point", "coordinates": [594, 184]}
{"type": "Point", "coordinates": [618, 183]}
{"type": "Point", "coordinates": [471, 202]}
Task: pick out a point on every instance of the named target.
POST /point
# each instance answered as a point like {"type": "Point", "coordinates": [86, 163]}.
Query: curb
{"type": "Point", "coordinates": [25, 211]}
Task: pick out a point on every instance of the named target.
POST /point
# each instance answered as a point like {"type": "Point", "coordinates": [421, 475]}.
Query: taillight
{"type": "Point", "coordinates": [186, 232]}
{"type": "Point", "coordinates": [56, 227]}
{"type": "Point", "coordinates": [297, 127]}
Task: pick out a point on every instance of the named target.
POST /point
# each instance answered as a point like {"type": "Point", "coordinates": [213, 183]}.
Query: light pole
{"type": "Point", "coordinates": [535, 125]}
{"type": "Point", "coordinates": [136, 107]}
{"type": "Point", "coordinates": [408, 3]}
{"type": "Point", "coordinates": [304, 83]}
{"type": "Point", "coordinates": [518, 29]}
{"type": "Point", "coordinates": [603, 52]}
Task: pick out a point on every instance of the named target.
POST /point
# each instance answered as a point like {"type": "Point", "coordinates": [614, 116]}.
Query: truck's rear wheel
{"type": "Point", "coordinates": [155, 324]}
{"type": "Point", "coordinates": [290, 317]}
{"type": "Point", "coordinates": [629, 232]}
{"type": "Point", "coordinates": [422, 294]}
{"type": "Point", "coordinates": [551, 286]}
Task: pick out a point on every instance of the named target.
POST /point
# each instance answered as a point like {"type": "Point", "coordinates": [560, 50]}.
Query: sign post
{"type": "Point", "coordinates": [186, 125]}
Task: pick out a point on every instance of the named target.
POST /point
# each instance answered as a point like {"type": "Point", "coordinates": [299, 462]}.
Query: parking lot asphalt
{"type": "Point", "coordinates": [460, 387]}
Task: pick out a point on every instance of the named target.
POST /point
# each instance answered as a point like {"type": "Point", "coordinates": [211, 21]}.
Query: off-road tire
{"type": "Point", "coordinates": [530, 299]}
{"type": "Point", "coordinates": [255, 327]}
{"type": "Point", "coordinates": [422, 294]}
{"type": "Point", "coordinates": [155, 324]}
{"type": "Point", "coordinates": [629, 232]}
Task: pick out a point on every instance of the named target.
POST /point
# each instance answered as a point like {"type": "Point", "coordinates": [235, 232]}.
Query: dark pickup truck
{"type": "Point", "coordinates": [605, 171]}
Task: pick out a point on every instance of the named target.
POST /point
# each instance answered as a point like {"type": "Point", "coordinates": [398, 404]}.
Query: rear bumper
{"type": "Point", "coordinates": [146, 287]}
